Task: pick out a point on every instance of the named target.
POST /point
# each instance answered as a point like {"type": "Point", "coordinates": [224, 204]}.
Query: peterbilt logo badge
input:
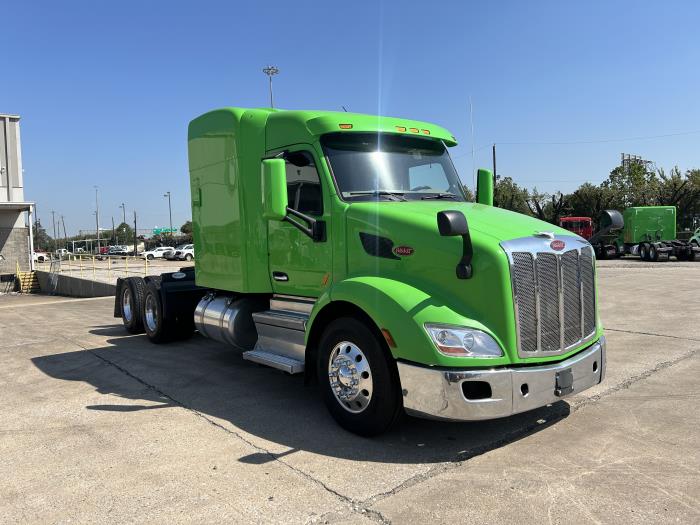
{"type": "Point", "coordinates": [403, 251]}
{"type": "Point", "coordinates": [557, 245]}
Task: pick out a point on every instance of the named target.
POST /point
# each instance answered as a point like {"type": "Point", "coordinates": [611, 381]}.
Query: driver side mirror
{"type": "Point", "coordinates": [274, 189]}
{"type": "Point", "coordinates": [450, 224]}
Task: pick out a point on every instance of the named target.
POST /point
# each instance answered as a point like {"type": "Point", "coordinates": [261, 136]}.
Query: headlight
{"type": "Point", "coordinates": [458, 341]}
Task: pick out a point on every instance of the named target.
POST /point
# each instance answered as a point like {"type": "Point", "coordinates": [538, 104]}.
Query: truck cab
{"type": "Point", "coordinates": [582, 226]}
{"type": "Point", "coordinates": [343, 246]}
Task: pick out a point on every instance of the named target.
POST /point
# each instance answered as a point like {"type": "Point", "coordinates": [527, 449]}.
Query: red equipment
{"type": "Point", "coordinates": [582, 226]}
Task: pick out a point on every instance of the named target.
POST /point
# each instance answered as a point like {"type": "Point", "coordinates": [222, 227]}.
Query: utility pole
{"type": "Point", "coordinates": [136, 245]}
{"type": "Point", "coordinates": [65, 235]}
{"type": "Point", "coordinates": [170, 213]}
{"type": "Point", "coordinates": [123, 207]}
{"type": "Point", "coordinates": [53, 220]}
{"type": "Point", "coordinates": [494, 162]}
{"type": "Point", "coordinates": [270, 71]}
{"type": "Point", "coordinates": [97, 218]}
{"type": "Point", "coordinates": [114, 237]}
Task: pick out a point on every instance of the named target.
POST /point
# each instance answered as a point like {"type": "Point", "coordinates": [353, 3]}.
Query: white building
{"type": "Point", "coordinates": [15, 212]}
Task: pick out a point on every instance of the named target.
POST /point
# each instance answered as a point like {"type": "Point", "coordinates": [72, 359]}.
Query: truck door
{"type": "Point", "coordinates": [298, 265]}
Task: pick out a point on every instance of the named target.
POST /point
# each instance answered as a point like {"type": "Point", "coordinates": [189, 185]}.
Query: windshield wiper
{"type": "Point", "coordinates": [392, 195]}
{"type": "Point", "coordinates": [446, 195]}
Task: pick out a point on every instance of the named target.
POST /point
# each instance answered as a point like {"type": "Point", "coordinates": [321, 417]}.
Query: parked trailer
{"type": "Point", "coordinates": [342, 246]}
{"type": "Point", "coordinates": [650, 233]}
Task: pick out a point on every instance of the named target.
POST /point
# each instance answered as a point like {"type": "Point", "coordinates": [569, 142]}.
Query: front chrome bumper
{"type": "Point", "coordinates": [440, 393]}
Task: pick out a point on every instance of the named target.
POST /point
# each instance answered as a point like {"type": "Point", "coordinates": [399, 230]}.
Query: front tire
{"type": "Point", "coordinates": [149, 257]}
{"type": "Point", "coordinates": [188, 257]}
{"type": "Point", "coordinates": [359, 378]}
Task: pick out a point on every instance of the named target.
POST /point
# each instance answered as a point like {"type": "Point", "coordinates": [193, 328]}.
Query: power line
{"type": "Point", "coordinates": [575, 142]}
{"type": "Point", "coordinates": [601, 141]}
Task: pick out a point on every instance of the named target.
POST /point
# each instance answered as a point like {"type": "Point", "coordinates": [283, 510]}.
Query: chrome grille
{"type": "Point", "coordinates": [548, 284]}
{"type": "Point", "coordinates": [588, 290]}
{"type": "Point", "coordinates": [554, 294]}
{"type": "Point", "coordinates": [524, 279]}
{"type": "Point", "coordinates": [570, 265]}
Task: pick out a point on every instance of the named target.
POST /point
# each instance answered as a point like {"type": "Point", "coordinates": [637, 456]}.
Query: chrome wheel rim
{"type": "Point", "coordinates": [350, 377]}
{"type": "Point", "coordinates": [127, 312]}
{"type": "Point", "coordinates": [150, 313]}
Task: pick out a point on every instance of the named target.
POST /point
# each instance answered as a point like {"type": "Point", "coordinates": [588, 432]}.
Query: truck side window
{"type": "Point", "coordinates": [303, 183]}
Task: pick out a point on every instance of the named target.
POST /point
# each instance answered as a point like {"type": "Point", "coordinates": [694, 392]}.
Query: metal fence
{"type": "Point", "coordinates": [104, 268]}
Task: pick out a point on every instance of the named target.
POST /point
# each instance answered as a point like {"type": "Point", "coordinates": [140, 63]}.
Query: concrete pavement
{"type": "Point", "coordinates": [99, 426]}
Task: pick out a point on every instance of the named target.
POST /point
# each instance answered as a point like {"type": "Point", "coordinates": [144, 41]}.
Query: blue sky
{"type": "Point", "coordinates": [106, 89]}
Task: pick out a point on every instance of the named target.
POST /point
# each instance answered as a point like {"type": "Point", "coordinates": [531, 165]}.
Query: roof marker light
{"type": "Point", "coordinates": [345, 126]}
{"type": "Point", "coordinates": [414, 130]}
{"type": "Point", "coordinates": [400, 128]}
{"type": "Point", "coordinates": [426, 132]}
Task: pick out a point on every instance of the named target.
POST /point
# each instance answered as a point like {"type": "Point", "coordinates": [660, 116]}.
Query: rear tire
{"type": "Point", "coordinates": [188, 257]}
{"type": "Point", "coordinates": [149, 257]}
{"type": "Point", "coordinates": [354, 364]}
{"type": "Point", "coordinates": [157, 328]}
{"type": "Point", "coordinates": [132, 295]}
{"type": "Point", "coordinates": [643, 251]}
{"type": "Point", "coordinates": [653, 253]}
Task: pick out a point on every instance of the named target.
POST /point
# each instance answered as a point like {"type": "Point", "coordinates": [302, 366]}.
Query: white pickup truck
{"type": "Point", "coordinates": [157, 253]}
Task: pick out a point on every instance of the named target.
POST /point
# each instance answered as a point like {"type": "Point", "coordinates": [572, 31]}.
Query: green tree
{"type": "Point", "coordinates": [590, 200]}
{"type": "Point", "coordinates": [186, 228]}
{"type": "Point", "coordinates": [508, 195]}
{"type": "Point", "coordinates": [42, 240]}
{"type": "Point", "coordinates": [547, 207]}
{"type": "Point", "coordinates": [632, 185]}
{"type": "Point", "coordinates": [125, 233]}
{"type": "Point", "coordinates": [468, 193]}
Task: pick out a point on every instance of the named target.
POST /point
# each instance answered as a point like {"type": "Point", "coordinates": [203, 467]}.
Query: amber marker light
{"type": "Point", "coordinates": [389, 339]}
{"type": "Point", "coordinates": [345, 126]}
{"type": "Point", "coordinates": [426, 132]}
{"type": "Point", "coordinates": [401, 128]}
{"type": "Point", "coordinates": [414, 130]}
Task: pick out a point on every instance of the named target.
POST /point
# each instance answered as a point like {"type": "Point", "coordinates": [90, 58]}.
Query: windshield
{"type": "Point", "coordinates": [369, 166]}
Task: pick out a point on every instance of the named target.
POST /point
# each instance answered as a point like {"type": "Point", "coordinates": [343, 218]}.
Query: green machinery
{"type": "Point", "coordinates": [342, 246]}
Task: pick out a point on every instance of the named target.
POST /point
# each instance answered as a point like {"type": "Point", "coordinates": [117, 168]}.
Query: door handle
{"type": "Point", "coordinates": [280, 276]}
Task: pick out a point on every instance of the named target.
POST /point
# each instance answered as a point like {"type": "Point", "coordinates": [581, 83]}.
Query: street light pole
{"type": "Point", "coordinates": [123, 207]}
{"type": "Point", "coordinates": [170, 213]}
{"type": "Point", "coordinates": [270, 71]}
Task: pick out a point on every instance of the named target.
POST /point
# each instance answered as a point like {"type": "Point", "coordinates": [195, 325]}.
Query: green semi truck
{"type": "Point", "coordinates": [342, 246]}
{"type": "Point", "coordinates": [650, 232]}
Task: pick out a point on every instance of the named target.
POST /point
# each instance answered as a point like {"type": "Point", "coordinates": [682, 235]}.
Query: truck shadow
{"type": "Point", "coordinates": [268, 405]}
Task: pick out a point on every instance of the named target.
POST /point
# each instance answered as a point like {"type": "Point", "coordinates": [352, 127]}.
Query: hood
{"type": "Point", "coordinates": [497, 223]}
{"type": "Point", "coordinates": [400, 241]}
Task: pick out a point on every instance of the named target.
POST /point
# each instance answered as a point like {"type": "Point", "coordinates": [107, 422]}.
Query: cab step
{"type": "Point", "coordinates": [280, 362]}
{"type": "Point", "coordinates": [281, 331]}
